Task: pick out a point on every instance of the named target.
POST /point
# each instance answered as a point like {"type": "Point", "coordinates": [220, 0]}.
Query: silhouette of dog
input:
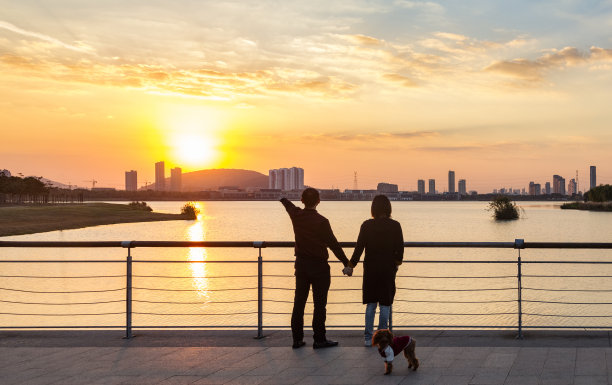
{"type": "Point", "coordinates": [390, 346]}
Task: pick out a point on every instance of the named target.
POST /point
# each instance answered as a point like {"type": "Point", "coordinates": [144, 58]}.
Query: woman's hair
{"type": "Point", "coordinates": [381, 206]}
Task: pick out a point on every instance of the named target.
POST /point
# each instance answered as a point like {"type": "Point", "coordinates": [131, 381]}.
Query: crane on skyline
{"type": "Point", "coordinates": [93, 183]}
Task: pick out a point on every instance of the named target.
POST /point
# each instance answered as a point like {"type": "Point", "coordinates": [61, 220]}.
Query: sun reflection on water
{"type": "Point", "coordinates": [199, 271]}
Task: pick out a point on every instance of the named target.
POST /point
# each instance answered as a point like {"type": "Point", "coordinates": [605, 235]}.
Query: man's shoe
{"type": "Point", "coordinates": [324, 344]}
{"type": "Point", "coordinates": [298, 344]}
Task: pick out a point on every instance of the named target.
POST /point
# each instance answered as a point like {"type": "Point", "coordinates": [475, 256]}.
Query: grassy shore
{"type": "Point", "coordinates": [17, 220]}
{"type": "Point", "coordinates": [590, 206]}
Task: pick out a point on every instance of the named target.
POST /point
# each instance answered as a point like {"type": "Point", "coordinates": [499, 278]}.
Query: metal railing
{"type": "Point", "coordinates": [519, 287]}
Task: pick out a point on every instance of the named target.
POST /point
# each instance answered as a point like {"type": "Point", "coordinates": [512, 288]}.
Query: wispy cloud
{"type": "Point", "coordinates": [78, 47]}
{"type": "Point", "coordinates": [536, 69]}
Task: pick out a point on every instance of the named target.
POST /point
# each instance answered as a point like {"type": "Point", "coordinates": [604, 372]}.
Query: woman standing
{"type": "Point", "coordinates": [382, 239]}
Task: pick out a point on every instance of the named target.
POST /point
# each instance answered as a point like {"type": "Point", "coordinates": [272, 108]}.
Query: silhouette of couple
{"type": "Point", "coordinates": [382, 239]}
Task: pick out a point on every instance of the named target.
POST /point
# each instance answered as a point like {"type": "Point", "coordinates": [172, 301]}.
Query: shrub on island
{"type": "Point", "coordinates": [503, 208]}
{"type": "Point", "coordinates": [143, 206]}
{"type": "Point", "coordinates": [190, 210]}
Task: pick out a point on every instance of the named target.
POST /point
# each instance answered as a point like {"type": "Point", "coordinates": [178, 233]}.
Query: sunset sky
{"type": "Point", "coordinates": [502, 92]}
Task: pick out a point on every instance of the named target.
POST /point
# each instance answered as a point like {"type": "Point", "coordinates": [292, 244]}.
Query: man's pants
{"type": "Point", "coordinates": [320, 280]}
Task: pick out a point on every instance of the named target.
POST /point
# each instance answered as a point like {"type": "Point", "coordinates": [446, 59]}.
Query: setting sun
{"type": "Point", "coordinates": [193, 150]}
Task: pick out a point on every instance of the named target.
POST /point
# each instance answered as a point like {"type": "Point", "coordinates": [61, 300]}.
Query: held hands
{"type": "Point", "coordinates": [348, 271]}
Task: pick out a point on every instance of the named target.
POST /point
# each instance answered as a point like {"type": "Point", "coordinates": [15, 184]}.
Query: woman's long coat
{"type": "Point", "coordinates": [383, 242]}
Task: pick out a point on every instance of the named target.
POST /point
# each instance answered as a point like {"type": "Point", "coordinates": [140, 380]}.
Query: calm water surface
{"type": "Point", "coordinates": [194, 293]}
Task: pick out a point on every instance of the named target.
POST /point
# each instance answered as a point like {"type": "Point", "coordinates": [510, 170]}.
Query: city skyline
{"type": "Point", "coordinates": [400, 90]}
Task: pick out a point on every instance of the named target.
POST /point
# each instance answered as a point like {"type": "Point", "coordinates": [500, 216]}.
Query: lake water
{"type": "Point", "coordinates": [429, 294]}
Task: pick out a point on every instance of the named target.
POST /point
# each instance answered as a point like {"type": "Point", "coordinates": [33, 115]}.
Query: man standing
{"type": "Point", "coordinates": [313, 235]}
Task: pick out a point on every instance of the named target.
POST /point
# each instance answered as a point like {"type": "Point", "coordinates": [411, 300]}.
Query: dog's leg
{"type": "Point", "coordinates": [410, 355]}
{"type": "Point", "coordinates": [388, 368]}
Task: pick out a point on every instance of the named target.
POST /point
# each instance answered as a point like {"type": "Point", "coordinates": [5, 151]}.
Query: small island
{"type": "Point", "coordinates": [29, 219]}
{"type": "Point", "coordinates": [596, 199]}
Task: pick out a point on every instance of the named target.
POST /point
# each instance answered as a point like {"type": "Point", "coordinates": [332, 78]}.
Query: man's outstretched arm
{"type": "Point", "coordinates": [289, 206]}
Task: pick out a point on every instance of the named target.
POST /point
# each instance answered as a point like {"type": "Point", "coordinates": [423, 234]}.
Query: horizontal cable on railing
{"type": "Point", "coordinates": [198, 314]}
{"type": "Point", "coordinates": [567, 316]}
{"type": "Point", "coordinates": [63, 303]}
{"type": "Point", "coordinates": [570, 303]}
{"type": "Point", "coordinates": [425, 289]}
{"type": "Point", "coordinates": [66, 277]}
{"type": "Point", "coordinates": [455, 277]}
{"type": "Point", "coordinates": [194, 303]}
{"type": "Point", "coordinates": [163, 289]}
{"type": "Point", "coordinates": [62, 292]}
{"type": "Point", "coordinates": [572, 290]}
{"type": "Point", "coordinates": [406, 312]}
{"type": "Point", "coordinates": [192, 277]}
{"type": "Point", "coordinates": [451, 302]}
{"type": "Point", "coordinates": [566, 276]}
{"type": "Point", "coordinates": [62, 314]}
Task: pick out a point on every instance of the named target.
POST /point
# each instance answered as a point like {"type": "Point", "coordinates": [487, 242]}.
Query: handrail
{"type": "Point", "coordinates": [284, 244]}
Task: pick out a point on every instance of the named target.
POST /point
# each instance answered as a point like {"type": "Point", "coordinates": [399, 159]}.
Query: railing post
{"type": "Point", "coordinates": [519, 244]}
{"type": "Point", "coordinates": [128, 291]}
{"type": "Point", "coordinates": [259, 246]}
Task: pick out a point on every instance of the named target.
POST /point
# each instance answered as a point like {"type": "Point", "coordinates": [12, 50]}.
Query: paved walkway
{"type": "Point", "coordinates": [234, 357]}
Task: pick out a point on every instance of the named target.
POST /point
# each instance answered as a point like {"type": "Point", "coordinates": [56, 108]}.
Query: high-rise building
{"type": "Point", "coordinates": [547, 188]}
{"type": "Point", "coordinates": [387, 188]}
{"type": "Point", "coordinates": [558, 185]}
{"type": "Point", "coordinates": [160, 176]}
{"type": "Point", "coordinates": [432, 186]}
{"type": "Point", "coordinates": [461, 187]}
{"type": "Point", "coordinates": [421, 186]}
{"type": "Point", "coordinates": [272, 177]}
{"type": "Point", "coordinates": [131, 180]}
{"type": "Point", "coordinates": [286, 178]}
{"type": "Point", "coordinates": [176, 177]}
{"type": "Point", "coordinates": [593, 177]}
{"type": "Point", "coordinates": [535, 188]}
{"type": "Point", "coordinates": [572, 187]}
{"type": "Point", "coordinates": [451, 182]}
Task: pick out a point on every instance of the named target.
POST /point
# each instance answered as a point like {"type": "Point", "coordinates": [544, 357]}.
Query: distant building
{"type": "Point", "coordinates": [131, 180]}
{"type": "Point", "coordinates": [176, 176]}
{"type": "Point", "coordinates": [160, 176]}
{"type": "Point", "coordinates": [451, 182]}
{"type": "Point", "coordinates": [535, 188]}
{"type": "Point", "coordinates": [5, 172]}
{"type": "Point", "coordinates": [432, 186]}
{"type": "Point", "coordinates": [593, 177]}
{"type": "Point", "coordinates": [461, 187]}
{"type": "Point", "coordinates": [387, 188]}
{"type": "Point", "coordinates": [421, 186]}
{"type": "Point", "coordinates": [547, 188]}
{"type": "Point", "coordinates": [286, 179]}
{"type": "Point", "coordinates": [572, 187]}
{"type": "Point", "coordinates": [558, 185]}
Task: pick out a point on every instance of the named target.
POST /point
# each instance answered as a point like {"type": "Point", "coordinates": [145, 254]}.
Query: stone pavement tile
{"type": "Point", "coordinates": [43, 380]}
{"type": "Point", "coordinates": [551, 379]}
{"type": "Point", "coordinates": [476, 353]}
{"type": "Point", "coordinates": [353, 378]}
{"type": "Point", "coordinates": [286, 353]}
{"type": "Point", "coordinates": [269, 368]}
{"type": "Point", "coordinates": [381, 379]}
{"type": "Point", "coordinates": [500, 360]}
{"type": "Point", "coordinates": [490, 376]}
{"type": "Point", "coordinates": [290, 376]}
{"type": "Point", "coordinates": [180, 380]}
{"type": "Point", "coordinates": [421, 377]}
{"type": "Point", "coordinates": [462, 367]}
{"type": "Point", "coordinates": [316, 380]}
{"type": "Point", "coordinates": [144, 379]}
{"type": "Point", "coordinates": [224, 375]}
{"type": "Point", "coordinates": [591, 362]}
{"type": "Point", "coordinates": [249, 380]}
{"type": "Point", "coordinates": [23, 376]}
{"type": "Point", "coordinates": [505, 349]}
{"type": "Point", "coordinates": [522, 380]}
{"type": "Point", "coordinates": [590, 380]}
{"type": "Point", "coordinates": [453, 380]}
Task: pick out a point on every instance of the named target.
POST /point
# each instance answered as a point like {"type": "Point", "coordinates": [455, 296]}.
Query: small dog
{"type": "Point", "coordinates": [389, 347]}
